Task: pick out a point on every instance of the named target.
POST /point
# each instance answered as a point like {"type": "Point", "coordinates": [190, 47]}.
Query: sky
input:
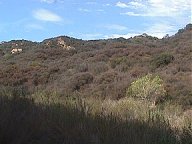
{"type": "Point", "coordinates": [37, 20]}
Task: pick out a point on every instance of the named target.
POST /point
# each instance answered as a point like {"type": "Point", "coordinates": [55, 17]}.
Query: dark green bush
{"type": "Point", "coordinates": [1, 52]}
{"type": "Point", "coordinates": [8, 56]}
{"type": "Point", "coordinates": [161, 60]}
{"type": "Point", "coordinates": [117, 61]}
{"type": "Point", "coordinates": [106, 78]}
{"type": "Point", "coordinates": [79, 80]}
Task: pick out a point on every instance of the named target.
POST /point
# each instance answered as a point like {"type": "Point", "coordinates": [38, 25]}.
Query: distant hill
{"type": "Point", "coordinates": [100, 68]}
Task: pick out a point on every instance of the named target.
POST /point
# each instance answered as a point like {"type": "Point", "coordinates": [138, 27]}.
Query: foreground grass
{"type": "Point", "coordinates": [47, 119]}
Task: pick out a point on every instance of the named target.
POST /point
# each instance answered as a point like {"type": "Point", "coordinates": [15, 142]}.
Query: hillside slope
{"type": "Point", "coordinates": [99, 68]}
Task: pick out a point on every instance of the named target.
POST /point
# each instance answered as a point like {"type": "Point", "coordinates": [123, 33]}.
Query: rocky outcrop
{"type": "Point", "coordinates": [63, 44]}
{"type": "Point", "coordinates": [16, 50]}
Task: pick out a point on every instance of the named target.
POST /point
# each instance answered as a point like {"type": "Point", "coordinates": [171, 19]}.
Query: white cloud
{"type": "Point", "coordinates": [136, 5]}
{"type": "Point", "coordinates": [106, 5]}
{"type": "Point", "coordinates": [122, 35]}
{"type": "Point", "coordinates": [160, 29]}
{"type": "Point", "coordinates": [89, 11]}
{"type": "Point", "coordinates": [169, 8]}
{"type": "Point", "coordinates": [157, 30]}
{"type": "Point", "coordinates": [91, 36]}
{"type": "Point", "coordinates": [133, 4]}
{"type": "Point", "coordinates": [121, 5]}
{"type": "Point", "coordinates": [45, 15]}
{"type": "Point", "coordinates": [84, 10]}
{"type": "Point", "coordinates": [49, 1]}
{"type": "Point", "coordinates": [133, 14]}
{"type": "Point", "coordinates": [115, 27]}
{"type": "Point", "coordinates": [152, 8]}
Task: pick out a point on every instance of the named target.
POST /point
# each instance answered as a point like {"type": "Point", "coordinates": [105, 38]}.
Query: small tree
{"type": "Point", "coordinates": [148, 87]}
{"type": "Point", "coordinates": [161, 60]}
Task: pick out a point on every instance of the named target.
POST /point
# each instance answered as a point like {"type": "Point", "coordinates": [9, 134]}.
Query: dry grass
{"type": "Point", "coordinates": [47, 117]}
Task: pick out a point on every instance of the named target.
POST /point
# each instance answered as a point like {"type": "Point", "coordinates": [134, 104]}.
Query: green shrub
{"type": "Point", "coordinates": [148, 87]}
{"type": "Point", "coordinates": [106, 78]}
{"type": "Point", "coordinates": [1, 52]}
{"type": "Point", "coordinates": [116, 61]}
{"type": "Point", "coordinates": [161, 60]}
{"type": "Point", "coordinates": [79, 80]}
{"type": "Point", "coordinates": [35, 64]}
{"type": "Point", "coordinates": [8, 56]}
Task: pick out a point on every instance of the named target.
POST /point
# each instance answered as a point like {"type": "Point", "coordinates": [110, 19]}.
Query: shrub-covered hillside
{"type": "Point", "coordinates": [70, 91]}
{"type": "Point", "coordinates": [99, 68]}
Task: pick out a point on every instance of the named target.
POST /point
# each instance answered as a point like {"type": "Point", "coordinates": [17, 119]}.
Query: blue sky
{"type": "Point", "coordinates": [91, 19]}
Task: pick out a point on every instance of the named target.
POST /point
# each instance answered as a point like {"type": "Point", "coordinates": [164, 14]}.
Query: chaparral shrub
{"type": "Point", "coordinates": [148, 87]}
{"type": "Point", "coordinates": [161, 60]}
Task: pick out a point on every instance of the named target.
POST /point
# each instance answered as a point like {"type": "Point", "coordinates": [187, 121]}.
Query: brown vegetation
{"type": "Point", "coordinates": [97, 71]}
